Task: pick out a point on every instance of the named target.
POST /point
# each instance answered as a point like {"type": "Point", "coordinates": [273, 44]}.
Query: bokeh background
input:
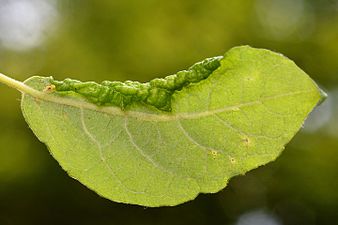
{"type": "Point", "coordinates": [143, 39]}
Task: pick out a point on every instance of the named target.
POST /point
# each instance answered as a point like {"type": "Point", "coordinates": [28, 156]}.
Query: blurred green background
{"type": "Point", "coordinates": [143, 39]}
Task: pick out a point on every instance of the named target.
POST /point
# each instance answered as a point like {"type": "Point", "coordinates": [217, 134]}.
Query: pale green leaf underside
{"type": "Point", "coordinates": [237, 119]}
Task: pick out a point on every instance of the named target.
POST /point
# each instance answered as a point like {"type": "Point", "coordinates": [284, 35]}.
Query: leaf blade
{"type": "Point", "coordinates": [237, 119]}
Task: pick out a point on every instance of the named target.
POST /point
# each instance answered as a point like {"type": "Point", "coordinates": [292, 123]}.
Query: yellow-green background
{"type": "Point", "coordinates": [143, 39]}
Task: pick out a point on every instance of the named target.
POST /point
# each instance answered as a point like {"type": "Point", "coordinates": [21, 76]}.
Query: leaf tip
{"type": "Point", "coordinates": [323, 96]}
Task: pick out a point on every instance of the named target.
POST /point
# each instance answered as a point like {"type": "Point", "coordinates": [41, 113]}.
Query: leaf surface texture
{"type": "Point", "coordinates": [238, 118]}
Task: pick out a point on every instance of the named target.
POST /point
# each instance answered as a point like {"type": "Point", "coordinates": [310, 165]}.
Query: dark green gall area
{"type": "Point", "coordinates": [157, 92]}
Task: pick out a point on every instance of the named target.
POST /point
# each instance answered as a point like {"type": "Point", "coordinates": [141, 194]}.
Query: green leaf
{"type": "Point", "coordinates": [237, 118]}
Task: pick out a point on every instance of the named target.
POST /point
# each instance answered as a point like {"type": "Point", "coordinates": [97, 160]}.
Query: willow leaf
{"type": "Point", "coordinates": [234, 118]}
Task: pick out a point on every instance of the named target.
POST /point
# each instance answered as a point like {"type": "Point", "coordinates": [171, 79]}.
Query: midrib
{"type": "Point", "coordinates": [116, 111]}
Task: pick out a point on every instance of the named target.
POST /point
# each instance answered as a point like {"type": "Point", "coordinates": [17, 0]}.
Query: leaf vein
{"type": "Point", "coordinates": [102, 156]}
{"type": "Point", "coordinates": [142, 152]}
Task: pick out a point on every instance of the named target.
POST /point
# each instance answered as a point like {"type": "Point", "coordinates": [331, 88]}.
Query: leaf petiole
{"type": "Point", "coordinates": [18, 85]}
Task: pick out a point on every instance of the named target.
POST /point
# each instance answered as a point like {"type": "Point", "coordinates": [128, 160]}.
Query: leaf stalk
{"type": "Point", "coordinates": [18, 85]}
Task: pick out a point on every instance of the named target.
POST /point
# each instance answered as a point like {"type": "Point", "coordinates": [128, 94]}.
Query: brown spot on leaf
{"type": "Point", "coordinates": [49, 88]}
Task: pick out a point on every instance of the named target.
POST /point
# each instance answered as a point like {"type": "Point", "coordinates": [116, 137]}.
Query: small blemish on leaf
{"type": "Point", "coordinates": [232, 160]}
{"type": "Point", "coordinates": [247, 141]}
{"type": "Point", "coordinates": [49, 88]}
{"type": "Point", "coordinates": [214, 153]}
